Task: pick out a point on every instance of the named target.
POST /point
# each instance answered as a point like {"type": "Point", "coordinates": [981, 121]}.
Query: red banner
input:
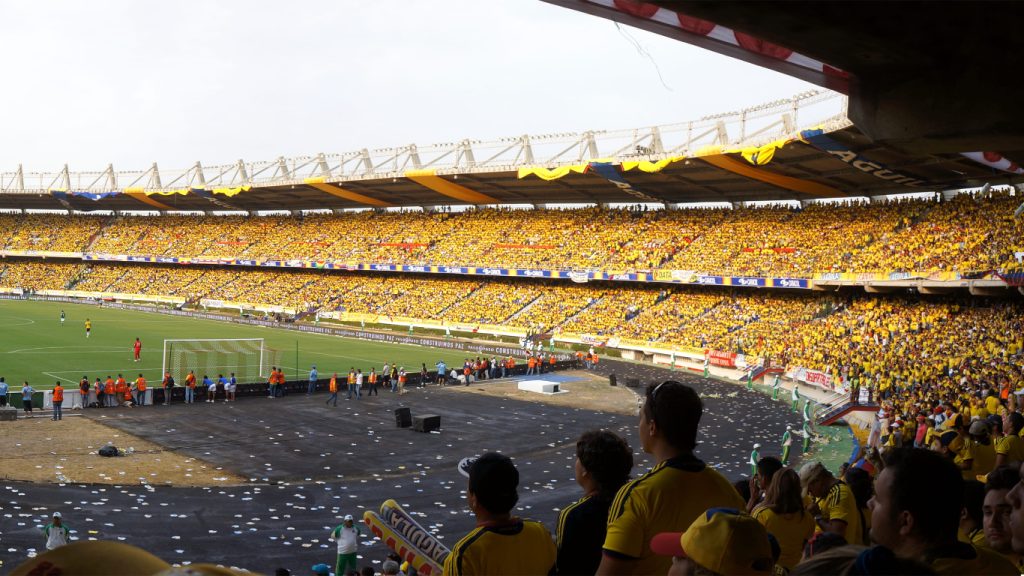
{"type": "Point", "coordinates": [527, 246]}
{"type": "Point", "coordinates": [719, 358]}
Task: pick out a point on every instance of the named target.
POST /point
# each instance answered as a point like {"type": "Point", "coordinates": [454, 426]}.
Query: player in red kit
{"type": "Point", "coordinates": [137, 348]}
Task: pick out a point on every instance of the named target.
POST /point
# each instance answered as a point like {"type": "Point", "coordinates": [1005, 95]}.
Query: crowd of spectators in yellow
{"type": "Point", "coordinates": [964, 234]}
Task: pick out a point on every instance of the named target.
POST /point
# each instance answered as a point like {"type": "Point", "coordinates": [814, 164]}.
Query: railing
{"type": "Point", "coordinates": [749, 127]}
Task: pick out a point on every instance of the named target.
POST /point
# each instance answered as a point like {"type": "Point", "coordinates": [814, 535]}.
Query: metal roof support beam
{"type": "Point", "coordinates": [282, 167]}
{"type": "Point", "coordinates": [321, 162]}
{"type": "Point", "coordinates": [414, 157]}
{"type": "Point", "coordinates": [243, 174]}
{"type": "Point", "coordinates": [199, 174]}
{"type": "Point", "coordinates": [365, 161]}
{"type": "Point", "coordinates": [591, 146]}
{"type": "Point", "coordinates": [722, 134]}
{"type": "Point", "coordinates": [466, 153]}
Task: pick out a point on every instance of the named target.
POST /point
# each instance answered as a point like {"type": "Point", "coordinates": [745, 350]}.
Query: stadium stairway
{"type": "Point", "coordinates": [832, 415]}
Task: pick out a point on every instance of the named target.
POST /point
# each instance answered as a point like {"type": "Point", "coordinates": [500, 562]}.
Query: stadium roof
{"type": "Point", "coordinates": [756, 154]}
{"type": "Point", "coordinates": [926, 77]}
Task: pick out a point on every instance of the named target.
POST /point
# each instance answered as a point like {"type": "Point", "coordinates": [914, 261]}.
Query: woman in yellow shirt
{"type": "Point", "coordinates": [783, 515]}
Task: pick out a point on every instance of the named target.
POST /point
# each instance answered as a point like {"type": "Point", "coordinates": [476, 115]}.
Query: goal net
{"type": "Point", "coordinates": [248, 358]}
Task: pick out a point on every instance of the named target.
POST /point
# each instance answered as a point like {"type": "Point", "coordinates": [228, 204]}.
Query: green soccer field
{"type": "Point", "coordinates": [35, 347]}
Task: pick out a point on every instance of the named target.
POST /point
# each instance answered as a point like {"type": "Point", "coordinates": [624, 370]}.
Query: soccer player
{"type": "Point", "coordinates": [88, 327]}
{"type": "Point", "coordinates": [673, 494]}
{"type": "Point", "coordinates": [62, 318]}
{"type": "Point", "coordinates": [137, 349]}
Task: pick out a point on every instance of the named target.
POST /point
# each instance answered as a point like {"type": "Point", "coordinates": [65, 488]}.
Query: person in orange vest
{"type": "Point", "coordinates": [83, 393]}
{"type": "Point", "coordinates": [99, 388]}
{"type": "Point", "coordinates": [168, 385]}
{"type": "Point", "coordinates": [467, 372]}
{"type": "Point", "coordinates": [123, 393]}
{"type": "Point", "coordinates": [373, 382]}
{"type": "Point", "coordinates": [58, 401]}
{"type": "Point", "coordinates": [529, 365]}
{"type": "Point", "coordinates": [108, 389]}
{"type": "Point", "coordinates": [551, 362]}
{"type": "Point", "coordinates": [402, 377]}
{"type": "Point", "coordinates": [190, 387]}
{"type": "Point", "coordinates": [593, 360]}
{"type": "Point", "coordinates": [272, 381]}
{"type": "Point", "coordinates": [128, 394]}
{"type": "Point", "coordinates": [351, 382]}
{"type": "Point", "coordinates": [332, 387]}
{"type": "Point", "coordinates": [140, 388]}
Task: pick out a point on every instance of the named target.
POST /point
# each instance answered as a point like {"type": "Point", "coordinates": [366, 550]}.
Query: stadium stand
{"type": "Point", "coordinates": [964, 234]}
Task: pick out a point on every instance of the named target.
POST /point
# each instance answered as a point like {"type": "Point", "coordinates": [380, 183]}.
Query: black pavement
{"type": "Point", "coordinates": [308, 465]}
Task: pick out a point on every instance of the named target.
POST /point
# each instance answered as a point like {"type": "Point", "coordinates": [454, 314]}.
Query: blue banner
{"type": "Point", "coordinates": [789, 283]}
{"type": "Point", "coordinates": [533, 273]}
{"type": "Point", "coordinates": [747, 281]}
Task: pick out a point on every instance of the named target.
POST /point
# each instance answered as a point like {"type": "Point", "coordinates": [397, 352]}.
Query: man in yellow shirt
{"type": "Point", "coordinates": [500, 543]}
{"type": "Point", "coordinates": [915, 512]}
{"type": "Point", "coordinates": [835, 509]}
{"type": "Point", "coordinates": [673, 494]}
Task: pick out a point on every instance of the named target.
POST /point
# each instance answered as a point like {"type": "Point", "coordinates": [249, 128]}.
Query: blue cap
{"type": "Point", "coordinates": [322, 569]}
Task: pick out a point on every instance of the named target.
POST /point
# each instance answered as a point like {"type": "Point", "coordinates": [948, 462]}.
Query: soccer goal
{"type": "Point", "coordinates": [248, 358]}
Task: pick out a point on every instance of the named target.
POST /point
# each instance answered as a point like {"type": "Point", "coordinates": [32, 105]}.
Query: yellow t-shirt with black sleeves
{"type": "Point", "coordinates": [666, 499]}
{"type": "Point", "coordinates": [1012, 447]}
{"type": "Point", "coordinates": [791, 531]}
{"type": "Point", "coordinates": [520, 547]}
{"type": "Point", "coordinates": [839, 504]}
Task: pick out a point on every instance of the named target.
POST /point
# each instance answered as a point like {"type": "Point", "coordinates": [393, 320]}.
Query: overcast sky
{"type": "Point", "coordinates": [130, 82]}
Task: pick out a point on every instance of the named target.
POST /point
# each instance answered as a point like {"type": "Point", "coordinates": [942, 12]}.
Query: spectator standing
{"type": "Point", "coordinates": [57, 534]}
{"type": "Point", "coordinates": [232, 388]}
{"type": "Point", "coordinates": [83, 395]}
{"type": "Point", "coordinates": [359, 383]}
{"type": "Point", "coordinates": [58, 401]}
{"type": "Point", "coordinates": [673, 494]}
{"type": "Point", "coordinates": [4, 389]}
{"type": "Point", "coordinates": [500, 543]}
{"type": "Point", "coordinates": [442, 371]}
{"type": "Point", "coordinates": [168, 385]}
{"type": "Point", "coordinates": [312, 381]}
{"type": "Point", "coordinates": [26, 398]}
{"type": "Point", "coordinates": [347, 536]}
{"type": "Point", "coordinates": [603, 463]}
{"type": "Point", "coordinates": [222, 384]}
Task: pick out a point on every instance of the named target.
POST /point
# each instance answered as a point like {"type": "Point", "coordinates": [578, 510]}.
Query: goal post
{"type": "Point", "coordinates": [248, 358]}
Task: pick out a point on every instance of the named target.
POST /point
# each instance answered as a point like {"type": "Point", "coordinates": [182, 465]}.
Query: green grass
{"type": "Point", "coordinates": [34, 346]}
